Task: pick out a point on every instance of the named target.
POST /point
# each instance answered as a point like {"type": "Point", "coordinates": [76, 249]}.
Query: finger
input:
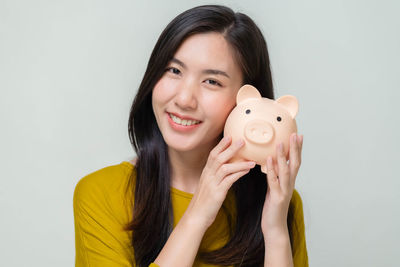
{"type": "Point", "coordinates": [294, 157]}
{"type": "Point", "coordinates": [283, 168]}
{"type": "Point", "coordinates": [273, 181]}
{"type": "Point", "coordinates": [293, 148]}
{"type": "Point", "coordinates": [230, 179]}
{"type": "Point", "coordinates": [300, 145]}
{"type": "Point", "coordinates": [214, 153]}
{"type": "Point", "coordinates": [229, 168]}
{"type": "Point", "coordinates": [222, 145]}
{"type": "Point", "coordinates": [228, 153]}
{"type": "Point", "coordinates": [301, 142]}
{"type": "Point", "coordinates": [276, 169]}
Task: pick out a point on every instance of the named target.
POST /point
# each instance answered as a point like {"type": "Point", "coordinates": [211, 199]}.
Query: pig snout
{"type": "Point", "coordinates": [259, 132]}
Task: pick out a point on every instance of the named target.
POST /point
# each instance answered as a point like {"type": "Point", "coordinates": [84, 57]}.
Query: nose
{"type": "Point", "coordinates": [259, 132]}
{"type": "Point", "coordinates": [186, 96]}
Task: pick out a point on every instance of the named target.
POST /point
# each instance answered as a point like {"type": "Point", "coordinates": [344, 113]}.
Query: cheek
{"type": "Point", "coordinates": [220, 107]}
{"type": "Point", "coordinates": [162, 92]}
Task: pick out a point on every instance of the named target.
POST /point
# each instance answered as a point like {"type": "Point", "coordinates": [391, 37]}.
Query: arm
{"type": "Point", "coordinates": [182, 245]}
{"type": "Point", "coordinates": [279, 243]}
{"type": "Point", "coordinates": [277, 248]}
{"type": "Point", "coordinates": [281, 178]}
{"type": "Point", "coordinates": [217, 177]}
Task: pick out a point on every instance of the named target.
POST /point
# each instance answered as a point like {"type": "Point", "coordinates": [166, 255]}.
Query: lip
{"type": "Point", "coordinates": [181, 128]}
{"type": "Point", "coordinates": [183, 117]}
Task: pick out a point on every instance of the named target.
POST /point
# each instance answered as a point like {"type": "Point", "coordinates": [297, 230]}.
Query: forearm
{"type": "Point", "coordinates": [182, 245]}
{"type": "Point", "coordinates": [278, 252]}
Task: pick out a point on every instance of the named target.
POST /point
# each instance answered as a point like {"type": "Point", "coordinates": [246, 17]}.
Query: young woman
{"type": "Point", "coordinates": [180, 203]}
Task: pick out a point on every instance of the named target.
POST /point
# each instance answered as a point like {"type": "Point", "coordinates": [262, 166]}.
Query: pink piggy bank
{"type": "Point", "coordinates": [262, 123]}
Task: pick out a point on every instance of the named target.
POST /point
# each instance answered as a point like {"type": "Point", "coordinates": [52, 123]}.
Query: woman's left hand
{"type": "Point", "coordinates": [281, 178]}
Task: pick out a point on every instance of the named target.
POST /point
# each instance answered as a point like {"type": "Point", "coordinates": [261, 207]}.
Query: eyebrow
{"type": "Point", "coordinates": [207, 71]}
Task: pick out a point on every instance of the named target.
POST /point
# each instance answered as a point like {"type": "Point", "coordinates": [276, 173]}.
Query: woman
{"type": "Point", "coordinates": [180, 203]}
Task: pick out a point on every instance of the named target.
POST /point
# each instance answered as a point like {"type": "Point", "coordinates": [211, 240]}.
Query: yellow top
{"type": "Point", "coordinates": [102, 209]}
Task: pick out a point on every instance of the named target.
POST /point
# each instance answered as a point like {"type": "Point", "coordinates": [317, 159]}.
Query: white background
{"type": "Point", "coordinates": [69, 71]}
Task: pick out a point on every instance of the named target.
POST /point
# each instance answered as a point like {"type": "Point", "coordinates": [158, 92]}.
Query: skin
{"type": "Point", "coordinates": [188, 90]}
{"type": "Point", "coordinates": [199, 159]}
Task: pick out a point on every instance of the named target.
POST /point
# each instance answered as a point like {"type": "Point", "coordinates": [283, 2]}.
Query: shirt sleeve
{"type": "Point", "coordinates": [101, 210]}
{"type": "Point", "coordinates": [99, 236]}
{"type": "Point", "coordinates": [300, 256]}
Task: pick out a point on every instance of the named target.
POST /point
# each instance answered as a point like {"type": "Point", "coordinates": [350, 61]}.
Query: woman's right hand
{"type": "Point", "coordinates": [215, 180]}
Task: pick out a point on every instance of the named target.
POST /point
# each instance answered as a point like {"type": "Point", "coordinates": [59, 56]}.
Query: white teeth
{"type": "Point", "coordinates": [183, 122]}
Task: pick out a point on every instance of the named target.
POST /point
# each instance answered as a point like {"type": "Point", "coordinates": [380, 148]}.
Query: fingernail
{"type": "Point", "coordinates": [269, 160]}
{"type": "Point", "coordinates": [294, 138]}
{"type": "Point", "coordinates": [239, 142]}
{"type": "Point", "coordinates": [281, 147]}
{"type": "Point", "coordinates": [252, 164]}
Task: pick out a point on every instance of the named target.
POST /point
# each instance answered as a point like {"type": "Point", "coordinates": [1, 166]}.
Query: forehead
{"type": "Point", "coordinates": [205, 50]}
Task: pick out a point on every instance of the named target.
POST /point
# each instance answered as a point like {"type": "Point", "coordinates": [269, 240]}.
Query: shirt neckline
{"type": "Point", "coordinates": [173, 189]}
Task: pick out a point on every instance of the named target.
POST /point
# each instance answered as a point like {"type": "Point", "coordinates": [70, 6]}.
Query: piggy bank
{"type": "Point", "coordinates": [262, 123]}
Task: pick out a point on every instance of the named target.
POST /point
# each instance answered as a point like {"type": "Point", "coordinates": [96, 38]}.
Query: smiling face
{"type": "Point", "coordinates": [198, 90]}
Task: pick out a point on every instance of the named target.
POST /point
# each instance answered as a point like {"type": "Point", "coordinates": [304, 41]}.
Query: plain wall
{"type": "Point", "coordinates": [69, 71]}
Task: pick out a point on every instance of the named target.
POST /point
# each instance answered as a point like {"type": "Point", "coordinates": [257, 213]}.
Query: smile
{"type": "Point", "coordinates": [183, 122]}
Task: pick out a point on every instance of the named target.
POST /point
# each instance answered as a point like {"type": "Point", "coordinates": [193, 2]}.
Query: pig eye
{"type": "Point", "coordinates": [278, 118]}
{"type": "Point", "coordinates": [248, 111]}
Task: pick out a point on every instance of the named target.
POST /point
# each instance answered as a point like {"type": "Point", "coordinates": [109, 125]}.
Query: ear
{"type": "Point", "coordinates": [245, 92]}
{"type": "Point", "coordinates": [290, 103]}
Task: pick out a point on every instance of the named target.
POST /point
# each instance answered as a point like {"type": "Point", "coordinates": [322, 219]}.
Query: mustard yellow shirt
{"type": "Point", "coordinates": [102, 208]}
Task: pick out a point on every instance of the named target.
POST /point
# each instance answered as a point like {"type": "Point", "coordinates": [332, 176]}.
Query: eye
{"type": "Point", "coordinates": [173, 70]}
{"type": "Point", "coordinates": [278, 118]}
{"type": "Point", "coordinates": [248, 111]}
{"type": "Point", "coordinates": [213, 82]}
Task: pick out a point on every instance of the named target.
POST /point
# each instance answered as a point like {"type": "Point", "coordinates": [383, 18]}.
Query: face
{"type": "Point", "coordinates": [194, 97]}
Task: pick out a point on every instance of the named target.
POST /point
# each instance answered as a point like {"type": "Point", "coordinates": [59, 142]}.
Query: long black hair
{"type": "Point", "coordinates": [150, 180]}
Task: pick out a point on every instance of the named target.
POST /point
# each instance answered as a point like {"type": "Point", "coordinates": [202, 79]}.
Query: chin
{"type": "Point", "coordinates": [180, 146]}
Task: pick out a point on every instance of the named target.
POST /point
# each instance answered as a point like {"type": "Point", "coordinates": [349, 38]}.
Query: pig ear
{"type": "Point", "coordinates": [245, 92]}
{"type": "Point", "coordinates": [290, 103]}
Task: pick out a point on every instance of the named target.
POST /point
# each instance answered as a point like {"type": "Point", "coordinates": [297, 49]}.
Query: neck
{"type": "Point", "coordinates": [187, 167]}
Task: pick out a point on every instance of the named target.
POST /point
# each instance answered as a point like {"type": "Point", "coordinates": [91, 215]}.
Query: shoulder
{"type": "Point", "coordinates": [296, 200]}
{"type": "Point", "coordinates": [133, 161]}
{"type": "Point", "coordinates": [296, 211]}
{"type": "Point", "coordinates": [106, 178]}
{"type": "Point", "coordinates": [300, 256]}
{"type": "Point", "coordinates": [109, 184]}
